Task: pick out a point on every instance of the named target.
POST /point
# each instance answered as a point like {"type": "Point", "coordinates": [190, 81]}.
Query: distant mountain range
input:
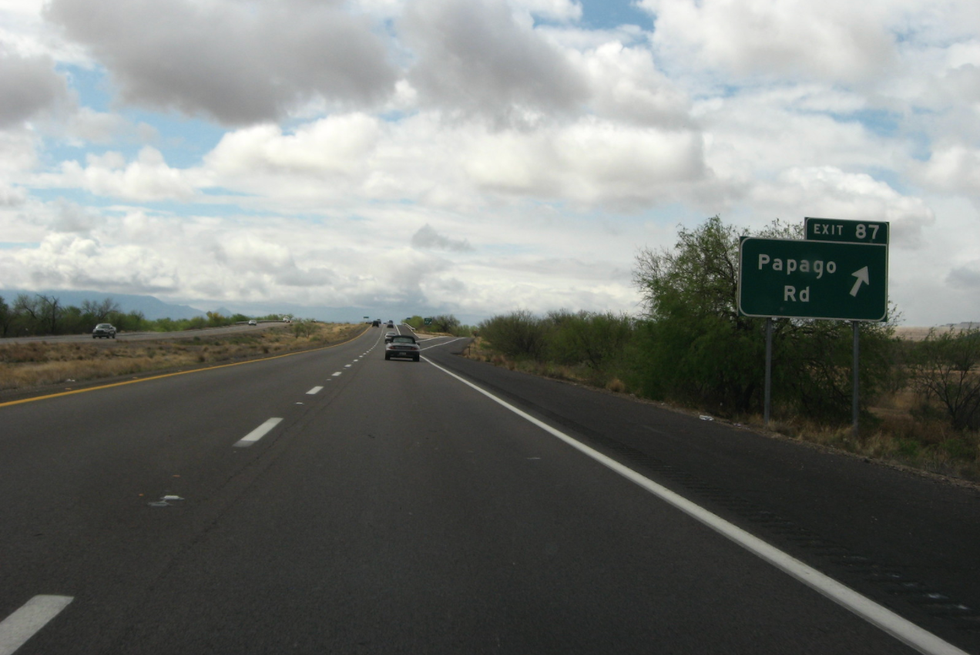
{"type": "Point", "coordinates": [151, 308]}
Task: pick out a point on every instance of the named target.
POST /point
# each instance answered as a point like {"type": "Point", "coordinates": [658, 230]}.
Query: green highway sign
{"type": "Point", "coordinates": [835, 229]}
{"type": "Point", "coordinates": [813, 279]}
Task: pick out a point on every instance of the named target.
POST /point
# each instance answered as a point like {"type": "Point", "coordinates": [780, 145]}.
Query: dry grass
{"type": "Point", "coordinates": [27, 366]}
{"type": "Point", "coordinates": [912, 333]}
{"type": "Point", "coordinates": [616, 386]}
{"type": "Point", "coordinates": [898, 435]}
{"type": "Point", "coordinates": [920, 333]}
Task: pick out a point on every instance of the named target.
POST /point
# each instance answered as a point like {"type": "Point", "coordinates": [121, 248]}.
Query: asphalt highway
{"type": "Point", "coordinates": [332, 502]}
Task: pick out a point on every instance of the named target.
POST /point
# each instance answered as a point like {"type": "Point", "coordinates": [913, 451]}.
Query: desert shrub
{"type": "Point", "coordinates": [594, 339]}
{"type": "Point", "coordinates": [943, 368]}
{"type": "Point", "coordinates": [518, 335]}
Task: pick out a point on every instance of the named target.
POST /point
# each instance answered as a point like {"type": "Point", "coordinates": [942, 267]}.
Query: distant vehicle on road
{"type": "Point", "coordinates": [403, 345]}
{"type": "Point", "coordinates": [105, 330]}
{"type": "Point", "coordinates": [253, 322]}
{"type": "Point", "coordinates": [376, 322]}
{"type": "Point", "coordinates": [389, 336]}
{"type": "Point", "coordinates": [391, 324]}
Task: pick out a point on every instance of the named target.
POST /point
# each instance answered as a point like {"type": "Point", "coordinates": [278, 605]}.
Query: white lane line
{"type": "Point", "coordinates": [337, 374]}
{"type": "Point", "coordinates": [346, 365]}
{"type": "Point", "coordinates": [443, 343]}
{"type": "Point", "coordinates": [898, 627]}
{"type": "Point", "coordinates": [257, 433]}
{"type": "Point", "coordinates": [314, 391]}
{"type": "Point", "coordinates": [23, 624]}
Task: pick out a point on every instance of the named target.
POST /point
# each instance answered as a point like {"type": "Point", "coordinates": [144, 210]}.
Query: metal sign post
{"type": "Point", "coordinates": [767, 401]}
{"type": "Point", "coordinates": [855, 410]}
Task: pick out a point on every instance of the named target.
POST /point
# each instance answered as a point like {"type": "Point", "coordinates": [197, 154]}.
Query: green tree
{"type": "Point", "coordinates": [73, 321]}
{"type": "Point", "coordinates": [51, 311]}
{"type": "Point", "coordinates": [6, 317]}
{"type": "Point", "coordinates": [38, 314]}
{"type": "Point", "coordinates": [27, 314]}
{"type": "Point", "coordinates": [698, 349]}
{"type": "Point", "coordinates": [445, 323]}
{"type": "Point", "coordinates": [133, 321]}
{"type": "Point", "coordinates": [215, 319]}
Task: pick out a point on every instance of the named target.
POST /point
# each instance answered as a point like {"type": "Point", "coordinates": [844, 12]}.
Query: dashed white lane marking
{"type": "Point", "coordinates": [337, 374]}
{"type": "Point", "coordinates": [314, 391]}
{"type": "Point", "coordinates": [23, 624]}
{"type": "Point", "coordinates": [257, 433]}
{"type": "Point", "coordinates": [347, 365]}
{"type": "Point", "coordinates": [875, 614]}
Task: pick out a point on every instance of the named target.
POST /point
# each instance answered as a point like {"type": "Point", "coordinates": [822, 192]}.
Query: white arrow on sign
{"type": "Point", "coordinates": [862, 276]}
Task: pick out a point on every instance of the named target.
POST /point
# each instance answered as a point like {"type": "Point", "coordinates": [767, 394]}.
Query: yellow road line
{"type": "Point", "coordinates": [170, 375]}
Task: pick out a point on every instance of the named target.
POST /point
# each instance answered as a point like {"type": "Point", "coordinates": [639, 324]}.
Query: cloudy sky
{"type": "Point", "coordinates": [475, 156]}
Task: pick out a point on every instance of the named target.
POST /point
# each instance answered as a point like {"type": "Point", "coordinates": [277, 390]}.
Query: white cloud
{"type": "Point", "coordinates": [760, 134]}
{"type": "Point", "coordinates": [831, 193]}
{"type": "Point", "coordinates": [626, 86]}
{"type": "Point", "coordinates": [428, 239]}
{"type": "Point", "coordinates": [23, 31]}
{"type": "Point", "coordinates": [337, 145]}
{"type": "Point", "coordinates": [18, 153]}
{"type": "Point", "coordinates": [560, 10]}
{"type": "Point", "coordinates": [149, 178]}
{"type": "Point", "coordinates": [10, 196]}
{"type": "Point", "coordinates": [966, 277]}
{"type": "Point", "coordinates": [591, 162]}
{"type": "Point", "coordinates": [350, 158]}
{"type": "Point", "coordinates": [76, 262]}
{"type": "Point", "coordinates": [237, 62]}
{"type": "Point", "coordinates": [30, 87]}
{"type": "Point", "coordinates": [87, 126]}
{"type": "Point", "coordinates": [474, 58]}
{"type": "Point", "coordinates": [954, 167]}
{"type": "Point", "coordinates": [835, 40]}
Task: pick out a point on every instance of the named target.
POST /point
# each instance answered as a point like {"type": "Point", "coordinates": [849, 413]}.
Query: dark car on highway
{"type": "Point", "coordinates": [105, 330]}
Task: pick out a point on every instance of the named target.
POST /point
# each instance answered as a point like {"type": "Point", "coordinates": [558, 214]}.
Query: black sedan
{"type": "Point", "coordinates": [403, 345]}
{"type": "Point", "coordinates": [104, 330]}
